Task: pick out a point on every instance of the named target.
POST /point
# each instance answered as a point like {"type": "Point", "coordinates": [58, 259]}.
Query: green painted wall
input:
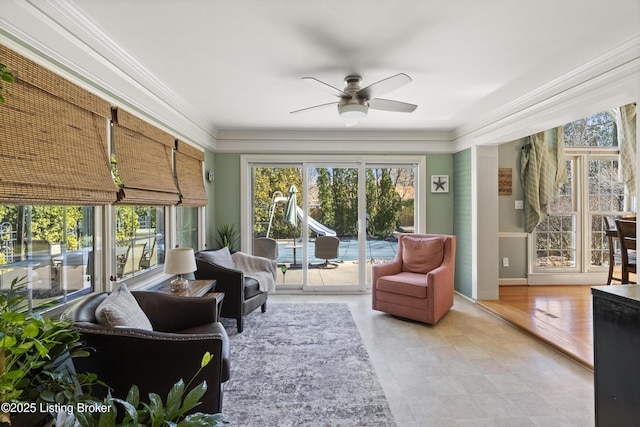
{"type": "Point", "coordinates": [439, 215]}
{"type": "Point", "coordinates": [226, 194]}
{"type": "Point", "coordinates": [462, 191]}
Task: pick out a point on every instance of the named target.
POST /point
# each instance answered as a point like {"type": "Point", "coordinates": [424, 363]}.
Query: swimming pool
{"type": "Point", "coordinates": [347, 250]}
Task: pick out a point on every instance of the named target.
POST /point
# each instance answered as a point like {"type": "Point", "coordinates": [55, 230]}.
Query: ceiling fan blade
{"type": "Point", "coordinates": [315, 107]}
{"type": "Point", "coordinates": [383, 86]}
{"type": "Point", "coordinates": [389, 105]}
{"type": "Point", "coordinates": [327, 87]}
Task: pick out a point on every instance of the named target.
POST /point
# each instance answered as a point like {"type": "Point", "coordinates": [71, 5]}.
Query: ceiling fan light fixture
{"type": "Point", "coordinates": [352, 111]}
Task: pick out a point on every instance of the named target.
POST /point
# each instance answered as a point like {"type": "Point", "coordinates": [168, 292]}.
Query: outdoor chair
{"type": "Point", "coordinates": [265, 247]}
{"type": "Point", "coordinates": [418, 283]}
{"type": "Point", "coordinates": [326, 247]}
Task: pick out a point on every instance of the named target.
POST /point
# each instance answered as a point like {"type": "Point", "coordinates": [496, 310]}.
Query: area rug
{"type": "Point", "coordinates": [302, 365]}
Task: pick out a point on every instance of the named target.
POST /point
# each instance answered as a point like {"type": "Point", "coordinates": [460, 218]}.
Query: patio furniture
{"type": "Point", "coordinates": [265, 247]}
{"type": "Point", "coordinates": [418, 283]}
{"type": "Point", "coordinates": [326, 247]}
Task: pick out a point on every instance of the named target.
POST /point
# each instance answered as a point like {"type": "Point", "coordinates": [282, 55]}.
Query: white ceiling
{"type": "Point", "coordinates": [238, 64]}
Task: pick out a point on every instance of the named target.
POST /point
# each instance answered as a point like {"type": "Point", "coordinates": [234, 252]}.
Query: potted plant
{"type": "Point", "coordinates": [156, 413]}
{"type": "Point", "coordinates": [228, 236]}
{"type": "Point", "coordinates": [33, 353]}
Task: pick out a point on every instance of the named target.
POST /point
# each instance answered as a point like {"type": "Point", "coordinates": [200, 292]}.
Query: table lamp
{"type": "Point", "coordinates": [179, 261]}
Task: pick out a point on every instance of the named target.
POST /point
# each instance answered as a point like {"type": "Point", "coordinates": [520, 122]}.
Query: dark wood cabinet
{"type": "Point", "coordinates": [616, 339]}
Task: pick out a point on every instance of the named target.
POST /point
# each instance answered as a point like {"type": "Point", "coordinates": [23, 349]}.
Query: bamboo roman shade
{"type": "Point", "coordinates": [190, 175]}
{"type": "Point", "coordinates": [53, 140]}
{"type": "Point", "coordinates": [143, 155]}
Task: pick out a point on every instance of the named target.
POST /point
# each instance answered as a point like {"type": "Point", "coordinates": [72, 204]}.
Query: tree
{"type": "Point", "coordinates": [266, 182]}
{"type": "Point", "coordinates": [383, 202]}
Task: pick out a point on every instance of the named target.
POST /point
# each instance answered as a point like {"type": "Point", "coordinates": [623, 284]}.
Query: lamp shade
{"type": "Point", "coordinates": [180, 261]}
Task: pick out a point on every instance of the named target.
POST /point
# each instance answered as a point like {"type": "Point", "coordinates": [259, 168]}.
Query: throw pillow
{"type": "Point", "coordinates": [421, 254]}
{"type": "Point", "coordinates": [121, 309]}
{"type": "Point", "coordinates": [221, 257]}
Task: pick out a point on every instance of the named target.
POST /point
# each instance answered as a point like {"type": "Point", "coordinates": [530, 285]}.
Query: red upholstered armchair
{"type": "Point", "coordinates": [418, 283]}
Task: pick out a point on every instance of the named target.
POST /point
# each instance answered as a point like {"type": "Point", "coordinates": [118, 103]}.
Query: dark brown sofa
{"type": "Point", "coordinates": [183, 330]}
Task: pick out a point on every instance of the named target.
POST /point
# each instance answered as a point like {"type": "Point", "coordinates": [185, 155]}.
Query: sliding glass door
{"type": "Point", "coordinates": [327, 222]}
{"type": "Point", "coordinates": [333, 225]}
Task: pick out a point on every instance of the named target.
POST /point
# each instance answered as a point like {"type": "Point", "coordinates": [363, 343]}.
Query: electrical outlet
{"type": "Point", "coordinates": [519, 204]}
{"type": "Point", "coordinates": [505, 262]}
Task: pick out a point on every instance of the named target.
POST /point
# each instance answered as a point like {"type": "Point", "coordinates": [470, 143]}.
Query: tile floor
{"type": "Point", "coordinates": [472, 369]}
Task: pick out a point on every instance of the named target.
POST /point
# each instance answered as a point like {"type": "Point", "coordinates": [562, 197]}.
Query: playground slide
{"type": "Point", "coordinates": [318, 228]}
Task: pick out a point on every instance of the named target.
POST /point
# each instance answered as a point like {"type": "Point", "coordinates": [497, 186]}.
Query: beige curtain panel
{"type": "Point", "coordinates": [629, 145]}
{"type": "Point", "coordinates": [542, 171]}
{"type": "Point", "coordinates": [143, 159]}
{"type": "Point", "coordinates": [190, 175]}
{"type": "Point", "coordinates": [53, 140]}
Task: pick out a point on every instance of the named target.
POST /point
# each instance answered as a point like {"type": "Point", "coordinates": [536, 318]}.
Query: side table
{"type": "Point", "coordinates": [195, 288]}
{"type": "Point", "coordinates": [219, 296]}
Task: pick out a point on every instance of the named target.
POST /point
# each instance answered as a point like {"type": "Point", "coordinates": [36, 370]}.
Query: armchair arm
{"type": "Point", "coordinates": [440, 281]}
{"type": "Point", "coordinates": [229, 281]}
{"type": "Point", "coordinates": [385, 269]}
{"type": "Point", "coordinates": [171, 313]}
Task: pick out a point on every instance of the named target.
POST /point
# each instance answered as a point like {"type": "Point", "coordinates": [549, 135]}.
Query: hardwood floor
{"type": "Point", "coordinates": [560, 316]}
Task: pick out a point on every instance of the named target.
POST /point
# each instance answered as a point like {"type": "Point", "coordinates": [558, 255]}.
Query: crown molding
{"type": "Point", "coordinates": [114, 75]}
{"type": "Point", "coordinates": [285, 141]}
{"type": "Point", "coordinates": [604, 82]}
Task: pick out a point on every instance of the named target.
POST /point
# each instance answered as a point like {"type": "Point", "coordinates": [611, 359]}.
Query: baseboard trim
{"type": "Point", "coordinates": [513, 282]}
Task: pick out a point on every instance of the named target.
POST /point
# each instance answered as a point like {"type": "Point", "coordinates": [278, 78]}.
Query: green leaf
{"type": "Point", "coordinates": [156, 408]}
{"type": "Point", "coordinates": [133, 397]}
{"type": "Point", "coordinates": [174, 399]}
{"type": "Point", "coordinates": [108, 418]}
{"type": "Point", "coordinates": [14, 374]}
{"type": "Point", "coordinates": [48, 396]}
{"type": "Point", "coordinates": [131, 410]}
{"type": "Point", "coordinates": [31, 330]}
{"type": "Point", "coordinates": [192, 399]}
{"type": "Point", "coordinates": [8, 341]}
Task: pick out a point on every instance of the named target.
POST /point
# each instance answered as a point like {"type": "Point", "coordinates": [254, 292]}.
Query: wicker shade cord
{"type": "Point", "coordinates": [53, 140]}
{"type": "Point", "coordinates": [144, 158]}
{"type": "Point", "coordinates": [189, 172]}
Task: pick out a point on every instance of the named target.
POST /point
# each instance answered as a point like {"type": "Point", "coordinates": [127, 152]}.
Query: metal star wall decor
{"type": "Point", "coordinates": [439, 183]}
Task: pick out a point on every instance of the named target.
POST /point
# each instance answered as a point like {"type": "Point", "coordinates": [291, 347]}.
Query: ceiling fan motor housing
{"type": "Point", "coordinates": [353, 108]}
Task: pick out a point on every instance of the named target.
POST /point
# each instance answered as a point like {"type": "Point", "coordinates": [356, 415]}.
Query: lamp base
{"type": "Point", "coordinates": [178, 284]}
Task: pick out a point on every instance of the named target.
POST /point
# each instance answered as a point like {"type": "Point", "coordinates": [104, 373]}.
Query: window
{"type": "Point", "coordinates": [139, 239]}
{"type": "Point", "coordinates": [52, 246]}
{"type": "Point", "coordinates": [187, 227]}
{"type": "Point", "coordinates": [572, 236]}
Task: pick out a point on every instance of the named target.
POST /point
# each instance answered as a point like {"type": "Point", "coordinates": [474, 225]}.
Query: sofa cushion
{"type": "Point", "coordinates": [421, 254]}
{"type": "Point", "coordinates": [120, 308]}
{"type": "Point", "coordinates": [221, 257]}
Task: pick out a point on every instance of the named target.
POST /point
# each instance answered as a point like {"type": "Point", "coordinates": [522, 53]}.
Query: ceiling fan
{"type": "Point", "coordinates": [355, 102]}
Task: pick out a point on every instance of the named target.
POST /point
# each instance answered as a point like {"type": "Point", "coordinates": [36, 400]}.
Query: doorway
{"type": "Point", "coordinates": [331, 219]}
